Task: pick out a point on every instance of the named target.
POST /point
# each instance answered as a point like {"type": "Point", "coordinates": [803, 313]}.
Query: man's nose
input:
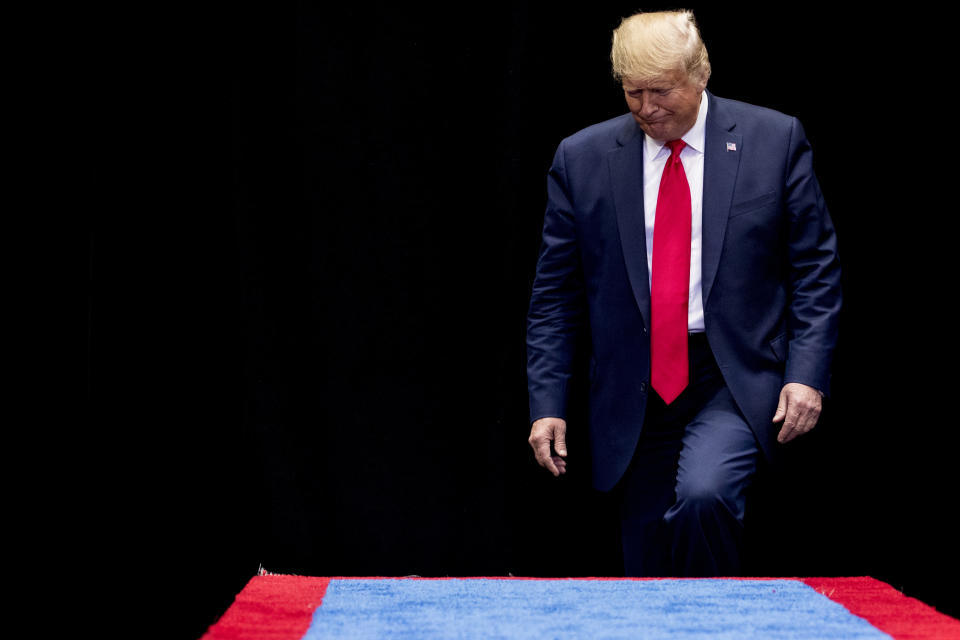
{"type": "Point", "coordinates": [648, 106]}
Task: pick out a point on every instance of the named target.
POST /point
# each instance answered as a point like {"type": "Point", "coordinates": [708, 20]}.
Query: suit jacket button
{"type": "Point", "coordinates": [643, 386]}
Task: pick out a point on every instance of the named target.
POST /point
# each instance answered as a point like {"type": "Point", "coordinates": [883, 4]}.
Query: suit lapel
{"type": "Point", "coordinates": [722, 149]}
{"type": "Point", "coordinates": [626, 176]}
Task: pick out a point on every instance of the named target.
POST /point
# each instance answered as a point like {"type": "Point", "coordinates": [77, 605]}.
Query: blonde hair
{"type": "Point", "coordinates": [647, 45]}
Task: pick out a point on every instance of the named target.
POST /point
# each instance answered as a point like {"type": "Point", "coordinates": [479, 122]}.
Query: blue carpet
{"type": "Point", "coordinates": [668, 609]}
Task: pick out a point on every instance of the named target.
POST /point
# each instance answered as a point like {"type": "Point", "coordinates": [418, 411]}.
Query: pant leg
{"type": "Point", "coordinates": [648, 488]}
{"type": "Point", "coordinates": [647, 491]}
{"type": "Point", "coordinates": [716, 464]}
{"type": "Point", "coordinates": [682, 497]}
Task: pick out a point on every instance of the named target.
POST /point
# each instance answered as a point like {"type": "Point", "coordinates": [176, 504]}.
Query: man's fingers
{"type": "Point", "coordinates": [544, 457]}
{"type": "Point", "coordinates": [781, 408]}
{"type": "Point", "coordinates": [560, 439]}
{"type": "Point", "coordinates": [805, 421]}
{"type": "Point", "coordinates": [560, 463]}
{"type": "Point", "coordinates": [550, 466]}
{"type": "Point", "coordinates": [787, 433]}
{"type": "Point", "coordinates": [798, 424]}
{"type": "Point", "coordinates": [793, 418]}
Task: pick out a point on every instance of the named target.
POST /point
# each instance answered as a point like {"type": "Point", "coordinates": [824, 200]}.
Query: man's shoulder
{"type": "Point", "coordinates": [601, 135]}
{"type": "Point", "coordinates": [746, 113]}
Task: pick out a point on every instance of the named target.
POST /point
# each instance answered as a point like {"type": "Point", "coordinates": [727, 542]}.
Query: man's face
{"type": "Point", "coordinates": [665, 107]}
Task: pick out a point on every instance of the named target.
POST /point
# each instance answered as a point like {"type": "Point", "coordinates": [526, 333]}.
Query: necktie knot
{"type": "Point", "coordinates": [676, 146]}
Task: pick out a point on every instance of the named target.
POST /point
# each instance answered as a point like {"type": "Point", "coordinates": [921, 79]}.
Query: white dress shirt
{"type": "Point", "coordinates": [655, 156]}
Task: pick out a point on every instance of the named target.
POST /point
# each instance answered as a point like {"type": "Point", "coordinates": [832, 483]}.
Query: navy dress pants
{"type": "Point", "coordinates": [682, 498]}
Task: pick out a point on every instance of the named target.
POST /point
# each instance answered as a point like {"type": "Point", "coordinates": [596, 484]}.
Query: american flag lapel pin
{"type": "Point", "coordinates": [731, 146]}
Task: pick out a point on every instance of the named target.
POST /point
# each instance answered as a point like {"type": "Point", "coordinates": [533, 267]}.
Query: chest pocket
{"type": "Point", "coordinates": [752, 204]}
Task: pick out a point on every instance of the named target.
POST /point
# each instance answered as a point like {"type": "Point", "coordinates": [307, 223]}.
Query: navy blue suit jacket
{"type": "Point", "coordinates": [770, 274]}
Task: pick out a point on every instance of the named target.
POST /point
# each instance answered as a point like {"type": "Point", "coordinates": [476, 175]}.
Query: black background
{"type": "Point", "coordinates": [314, 235]}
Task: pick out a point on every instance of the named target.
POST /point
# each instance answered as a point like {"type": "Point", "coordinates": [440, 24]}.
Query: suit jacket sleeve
{"type": "Point", "coordinates": [814, 271]}
{"type": "Point", "coordinates": [557, 302]}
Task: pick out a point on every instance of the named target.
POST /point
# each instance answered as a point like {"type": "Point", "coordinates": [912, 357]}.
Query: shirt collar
{"type": "Point", "coordinates": [695, 137]}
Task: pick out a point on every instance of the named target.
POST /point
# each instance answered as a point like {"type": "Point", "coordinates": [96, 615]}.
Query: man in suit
{"type": "Point", "coordinates": [689, 242]}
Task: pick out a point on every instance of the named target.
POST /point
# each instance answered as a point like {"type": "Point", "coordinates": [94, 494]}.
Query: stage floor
{"type": "Point", "coordinates": [280, 607]}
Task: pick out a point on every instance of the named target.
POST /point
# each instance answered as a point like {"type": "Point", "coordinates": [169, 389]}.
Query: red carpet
{"type": "Point", "coordinates": [278, 607]}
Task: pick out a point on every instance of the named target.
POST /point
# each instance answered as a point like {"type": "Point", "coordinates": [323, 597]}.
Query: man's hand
{"type": "Point", "coordinates": [542, 433]}
{"type": "Point", "coordinates": [799, 410]}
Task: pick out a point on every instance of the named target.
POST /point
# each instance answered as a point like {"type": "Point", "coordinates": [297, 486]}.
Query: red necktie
{"type": "Point", "coordinates": [670, 286]}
